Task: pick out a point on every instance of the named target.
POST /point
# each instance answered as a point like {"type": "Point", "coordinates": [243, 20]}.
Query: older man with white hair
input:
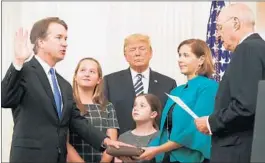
{"type": "Point", "coordinates": [232, 122]}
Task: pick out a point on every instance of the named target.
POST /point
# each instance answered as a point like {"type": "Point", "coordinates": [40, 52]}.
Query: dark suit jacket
{"type": "Point", "coordinates": [232, 122]}
{"type": "Point", "coordinates": [39, 135]}
{"type": "Point", "coordinates": [120, 91]}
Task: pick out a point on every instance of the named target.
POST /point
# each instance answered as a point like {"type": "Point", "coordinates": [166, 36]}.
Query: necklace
{"type": "Point", "coordinates": [170, 114]}
{"type": "Point", "coordinates": [169, 120]}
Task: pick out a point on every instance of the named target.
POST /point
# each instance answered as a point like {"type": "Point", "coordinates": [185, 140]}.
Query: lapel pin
{"type": "Point", "coordinates": [155, 81]}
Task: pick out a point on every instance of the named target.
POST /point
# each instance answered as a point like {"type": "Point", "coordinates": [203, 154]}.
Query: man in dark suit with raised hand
{"type": "Point", "coordinates": [41, 100]}
{"type": "Point", "coordinates": [232, 122]}
{"type": "Point", "coordinates": [123, 86]}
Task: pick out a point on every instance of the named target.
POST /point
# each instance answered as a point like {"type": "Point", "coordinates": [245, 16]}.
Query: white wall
{"type": "Point", "coordinates": [97, 29]}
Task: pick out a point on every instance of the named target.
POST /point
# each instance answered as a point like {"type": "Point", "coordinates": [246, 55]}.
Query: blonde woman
{"type": "Point", "coordinates": [89, 97]}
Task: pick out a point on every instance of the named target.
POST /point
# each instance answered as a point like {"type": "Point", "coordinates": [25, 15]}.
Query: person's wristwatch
{"type": "Point", "coordinates": [104, 146]}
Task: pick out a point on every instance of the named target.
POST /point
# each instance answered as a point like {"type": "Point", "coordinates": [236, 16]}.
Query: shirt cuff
{"type": "Point", "coordinates": [208, 126]}
{"type": "Point", "coordinates": [17, 67]}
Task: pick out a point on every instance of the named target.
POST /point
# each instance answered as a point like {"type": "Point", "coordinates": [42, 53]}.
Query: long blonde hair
{"type": "Point", "coordinates": [98, 94]}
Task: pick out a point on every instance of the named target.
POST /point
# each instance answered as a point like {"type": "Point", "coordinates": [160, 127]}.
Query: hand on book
{"type": "Point", "coordinates": [149, 153]}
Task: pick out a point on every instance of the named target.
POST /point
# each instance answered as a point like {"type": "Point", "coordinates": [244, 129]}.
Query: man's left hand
{"type": "Point", "coordinates": [201, 124]}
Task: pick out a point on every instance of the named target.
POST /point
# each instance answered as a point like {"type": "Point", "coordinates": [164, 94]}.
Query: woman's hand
{"type": "Point", "coordinates": [149, 153]}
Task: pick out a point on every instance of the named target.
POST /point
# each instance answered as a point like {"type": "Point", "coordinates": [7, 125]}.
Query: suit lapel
{"type": "Point", "coordinates": [153, 83]}
{"type": "Point", "coordinates": [43, 80]}
{"type": "Point", "coordinates": [128, 84]}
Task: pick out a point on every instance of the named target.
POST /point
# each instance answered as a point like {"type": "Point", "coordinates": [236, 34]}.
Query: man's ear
{"type": "Point", "coordinates": [40, 42]}
{"type": "Point", "coordinates": [151, 51]}
{"type": "Point", "coordinates": [236, 24]}
{"type": "Point", "coordinates": [126, 55]}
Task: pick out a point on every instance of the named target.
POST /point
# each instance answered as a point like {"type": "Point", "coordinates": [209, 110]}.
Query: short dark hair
{"type": "Point", "coordinates": [39, 30]}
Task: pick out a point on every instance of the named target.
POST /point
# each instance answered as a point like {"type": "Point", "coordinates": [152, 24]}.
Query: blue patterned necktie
{"type": "Point", "coordinates": [56, 93]}
{"type": "Point", "coordinates": [139, 86]}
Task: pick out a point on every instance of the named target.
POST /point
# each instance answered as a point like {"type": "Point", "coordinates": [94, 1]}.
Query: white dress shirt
{"type": "Point", "coordinates": [145, 78]}
{"type": "Point", "coordinates": [46, 69]}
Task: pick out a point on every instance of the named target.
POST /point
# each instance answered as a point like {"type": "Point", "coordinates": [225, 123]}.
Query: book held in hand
{"type": "Point", "coordinates": [124, 151]}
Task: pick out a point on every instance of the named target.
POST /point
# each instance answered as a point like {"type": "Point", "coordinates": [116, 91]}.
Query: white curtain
{"type": "Point", "coordinates": [98, 29]}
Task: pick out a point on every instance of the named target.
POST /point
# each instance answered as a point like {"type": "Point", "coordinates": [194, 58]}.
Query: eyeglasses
{"type": "Point", "coordinates": [219, 26]}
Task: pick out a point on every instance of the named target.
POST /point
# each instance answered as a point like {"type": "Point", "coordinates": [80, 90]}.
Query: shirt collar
{"type": "Point", "coordinates": [245, 37]}
{"type": "Point", "coordinates": [43, 64]}
{"type": "Point", "coordinates": [145, 73]}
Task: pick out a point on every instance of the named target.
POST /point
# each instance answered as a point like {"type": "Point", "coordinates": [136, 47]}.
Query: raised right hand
{"type": "Point", "coordinates": [21, 49]}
